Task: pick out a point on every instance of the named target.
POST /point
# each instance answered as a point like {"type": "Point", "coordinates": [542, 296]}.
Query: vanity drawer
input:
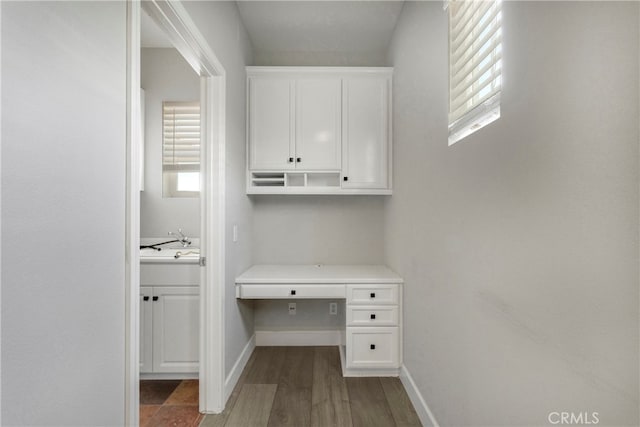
{"type": "Point", "coordinates": [382, 315]}
{"type": "Point", "coordinates": [258, 291]}
{"type": "Point", "coordinates": [369, 347]}
{"type": "Point", "coordinates": [372, 294]}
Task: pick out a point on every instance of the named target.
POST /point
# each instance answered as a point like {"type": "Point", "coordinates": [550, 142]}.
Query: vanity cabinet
{"type": "Point", "coordinates": [318, 130]}
{"type": "Point", "coordinates": [169, 320]}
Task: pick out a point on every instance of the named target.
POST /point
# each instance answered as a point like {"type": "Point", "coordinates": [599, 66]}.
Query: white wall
{"type": "Point", "coordinates": [519, 244]}
{"type": "Point", "coordinates": [165, 76]}
{"type": "Point", "coordinates": [63, 195]}
{"type": "Point", "coordinates": [220, 24]}
{"type": "Point", "coordinates": [335, 59]}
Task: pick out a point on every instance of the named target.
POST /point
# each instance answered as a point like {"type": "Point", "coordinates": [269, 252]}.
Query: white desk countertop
{"type": "Point", "coordinates": [321, 273]}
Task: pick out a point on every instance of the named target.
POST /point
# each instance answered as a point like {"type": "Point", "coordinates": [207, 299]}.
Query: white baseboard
{"type": "Point", "coordinates": [422, 409]}
{"type": "Point", "coordinates": [238, 367]}
{"type": "Point", "coordinates": [298, 338]}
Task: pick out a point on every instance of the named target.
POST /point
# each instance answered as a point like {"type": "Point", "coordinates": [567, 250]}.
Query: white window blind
{"type": "Point", "coordinates": [181, 136]}
{"type": "Point", "coordinates": [475, 65]}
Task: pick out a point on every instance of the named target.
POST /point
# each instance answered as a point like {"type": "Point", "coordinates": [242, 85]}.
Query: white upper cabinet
{"type": "Point", "coordinates": [365, 132]}
{"type": "Point", "coordinates": [318, 123]}
{"type": "Point", "coordinates": [319, 130]}
{"type": "Point", "coordinates": [271, 123]}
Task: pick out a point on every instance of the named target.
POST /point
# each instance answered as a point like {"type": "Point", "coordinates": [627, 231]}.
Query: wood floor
{"type": "Point", "coordinates": [303, 386]}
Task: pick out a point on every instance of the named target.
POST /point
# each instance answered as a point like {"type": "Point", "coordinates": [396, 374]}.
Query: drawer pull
{"type": "Point", "coordinates": [373, 316]}
{"type": "Point", "coordinates": [145, 298]}
{"type": "Point", "coordinates": [155, 298]}
{"type": "Point", "coordinates": [293, 291]}
{"type": "Point", "coordinates": [372, 346]}
{"type": "Point", "coordinates": [290, 159]}
{"type": "Point", "coordinates": [373, 294]}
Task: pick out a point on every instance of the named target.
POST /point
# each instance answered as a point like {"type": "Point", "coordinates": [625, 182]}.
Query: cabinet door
{"type": "Point", "coordinates": [271, 124]}
{"type": "Point", "coordinates": [318, 105]}
{"type": "Point", "coordinates": [365, 137]}
{"type": "Point", "coordinates": [176, 329]}
{"type": "Point", "coordinates": [146, 329]}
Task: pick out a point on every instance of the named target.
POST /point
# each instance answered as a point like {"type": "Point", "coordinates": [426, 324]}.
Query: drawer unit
{"type": "Point", "coordinates": [372, 294]}
{"type": "Point", "coordinates": [380, 315]}
{"type": "Point", "coordinates": [290, 291]}
{"type": "Point", "coordinates": [371, 347]}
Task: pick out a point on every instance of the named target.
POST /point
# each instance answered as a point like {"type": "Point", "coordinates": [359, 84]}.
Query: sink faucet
{"type": "Point", "coordinates": [184, 240]}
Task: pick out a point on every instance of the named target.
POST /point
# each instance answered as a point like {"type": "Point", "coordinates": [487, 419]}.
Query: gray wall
{"type": "Point", "coordinates": [335, 59]}
{"type": "Point", "coordinates": [63, 213]}
{"type": "Point", "coordinates": [519, 244]}
{"type": "Point", "coordinates": [165, 76]}
{"type": "Point", "coordinates": [220, 24]}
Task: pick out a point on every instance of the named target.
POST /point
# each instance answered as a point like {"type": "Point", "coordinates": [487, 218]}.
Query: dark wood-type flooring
{"type": "Point", "coordinates": [165, 403]}
{"type": "Point", "coordinates": [303, 386]}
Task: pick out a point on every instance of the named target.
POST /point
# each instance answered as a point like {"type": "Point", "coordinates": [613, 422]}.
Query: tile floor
{"type": "Point", "coordinates": [165, 403]}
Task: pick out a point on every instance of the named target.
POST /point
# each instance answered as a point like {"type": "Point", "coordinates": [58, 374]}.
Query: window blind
{"type": "Point", "coordinates": [181, 136]}
{"type": "Point", "coordinates": [475, 65]}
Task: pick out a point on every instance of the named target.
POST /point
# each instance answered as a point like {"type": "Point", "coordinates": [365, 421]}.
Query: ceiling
{"type": "Point", "coordinates": [320, 26]}
{"type": "Point", "coordinates": [306, 26]}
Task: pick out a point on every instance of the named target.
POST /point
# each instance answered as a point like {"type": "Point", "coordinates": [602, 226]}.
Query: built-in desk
{"type": "Point", "coordinates": [372, 344]}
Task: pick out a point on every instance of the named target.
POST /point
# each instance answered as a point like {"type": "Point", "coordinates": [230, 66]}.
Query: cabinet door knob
{"type": "Point", "coordinates": [293, 291]}
{"type": "Point", "coordinates": [155, 298]}
{"type": "Point", "coordinates": [298, 160]}
{"type": "Point", "coordinates": [373, 294]}
{"type": "Point", "coordinates": [372, 346]}
{"type": "Point", "coordinates": [145, 298]}
{"type": "Point", "coordinates": [373, 316]}
{"type": "Point", "coordinates": [290, 159]}
{"type": "Point", "coordinates": [346, 178]}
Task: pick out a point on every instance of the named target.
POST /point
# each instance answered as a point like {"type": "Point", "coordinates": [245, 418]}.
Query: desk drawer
{"type": "Point", "coordinates": [373, 347]}
{"type": "Point", "coordinates": [375, 315]}
{"type": "Point", "coordinates": [372, 294]}
{"type": "Point", "coordinates": [258, 291]}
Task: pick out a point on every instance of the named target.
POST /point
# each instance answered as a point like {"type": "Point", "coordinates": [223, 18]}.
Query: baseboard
{"type": "Point", "coordinates": [422, 409]}
{"type": "Point", "coordinates": [298, 338]}
{"type": "Point", "coordinates": [238, 367]}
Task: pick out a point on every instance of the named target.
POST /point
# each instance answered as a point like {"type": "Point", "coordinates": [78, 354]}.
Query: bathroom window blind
{"type": "Point", "coordinates": [475, 65]}
{"type": "Point", "coordinates": [181, 136]}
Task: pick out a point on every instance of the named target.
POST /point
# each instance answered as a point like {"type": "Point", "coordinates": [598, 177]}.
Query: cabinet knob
{"type": "Point", "coordinates": [346, 178]}
{"type": "Point", "coordinates": [298, 160]}
{"type": "Point", "coordinates": [293, 291]}
{"type": "Point", "coordinates": [372, 346]}
{"type": "Point", "coordinates": [145, 298]}
{"type": "Point", "coordinates": [155, 298]}
{"type": "Point", "coordinates": [290, 159]}
{"type": "Point", "coordinates": [373, 294]}
{"type": "Point", "coordinates": [373, 316]}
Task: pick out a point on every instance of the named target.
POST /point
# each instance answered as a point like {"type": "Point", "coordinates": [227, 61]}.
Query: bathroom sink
{"type": "Point", "coordinates": [170, 255]}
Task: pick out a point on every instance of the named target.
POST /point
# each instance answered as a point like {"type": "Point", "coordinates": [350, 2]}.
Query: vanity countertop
{"type": "Point", "coordinates": [318, 273]}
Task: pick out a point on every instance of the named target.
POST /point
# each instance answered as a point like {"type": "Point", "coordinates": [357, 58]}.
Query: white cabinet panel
{"type": "Point", "coordinates": [260, 291]}
{"type": "Point", "coordinates": [318, 115]}
{"type": "Point", "coordinates": [365, 132]}
{"type": "Point", "coordinates": [146, 329]}
{"type": "Point", "coordinates": [175, 329]}
{"type": "Point", "coordinates": [271, 124]}
{"type": "Point", "coordinates": [370, 347]}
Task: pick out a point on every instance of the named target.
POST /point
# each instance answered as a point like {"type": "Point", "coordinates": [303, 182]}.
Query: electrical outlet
{"type": "Point", "coordinates": [292, 308]}
{"type": "Point", "coordinates": [333, 308]}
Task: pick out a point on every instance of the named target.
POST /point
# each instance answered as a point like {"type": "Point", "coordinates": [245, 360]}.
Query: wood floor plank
{"type": "Point", "coordinates": [253, 407]}
{"type": "Point", "coordinates": [401, 407]}
{"type": "Point", "coordinates": [267, 367]}
{"type": "Point", "coordinates": [329, 396]}
{"type": "Point", "coordinates": [369, 407]}
{"type": "Point", "coordinates": [219, 420]}
{"type": "Point", "coordinates": [292, 404]}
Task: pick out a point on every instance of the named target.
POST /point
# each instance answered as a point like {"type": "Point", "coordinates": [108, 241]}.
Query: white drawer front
{"type": "Point", "coordinates": [369, 347]}
{"type": "Point", "coordinates": [382, 315]}
{"type": "Point", "coordinates": [257, 291]}
{"type": "Point", "coordinates": [372, 294]}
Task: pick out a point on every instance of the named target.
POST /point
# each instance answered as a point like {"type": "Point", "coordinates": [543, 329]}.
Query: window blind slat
{"type": "Point", "coordinates": [472, 21]}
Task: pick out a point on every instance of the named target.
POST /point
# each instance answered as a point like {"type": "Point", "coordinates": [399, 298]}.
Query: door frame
{"type": "Point", "coordinates": [174, 20]}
